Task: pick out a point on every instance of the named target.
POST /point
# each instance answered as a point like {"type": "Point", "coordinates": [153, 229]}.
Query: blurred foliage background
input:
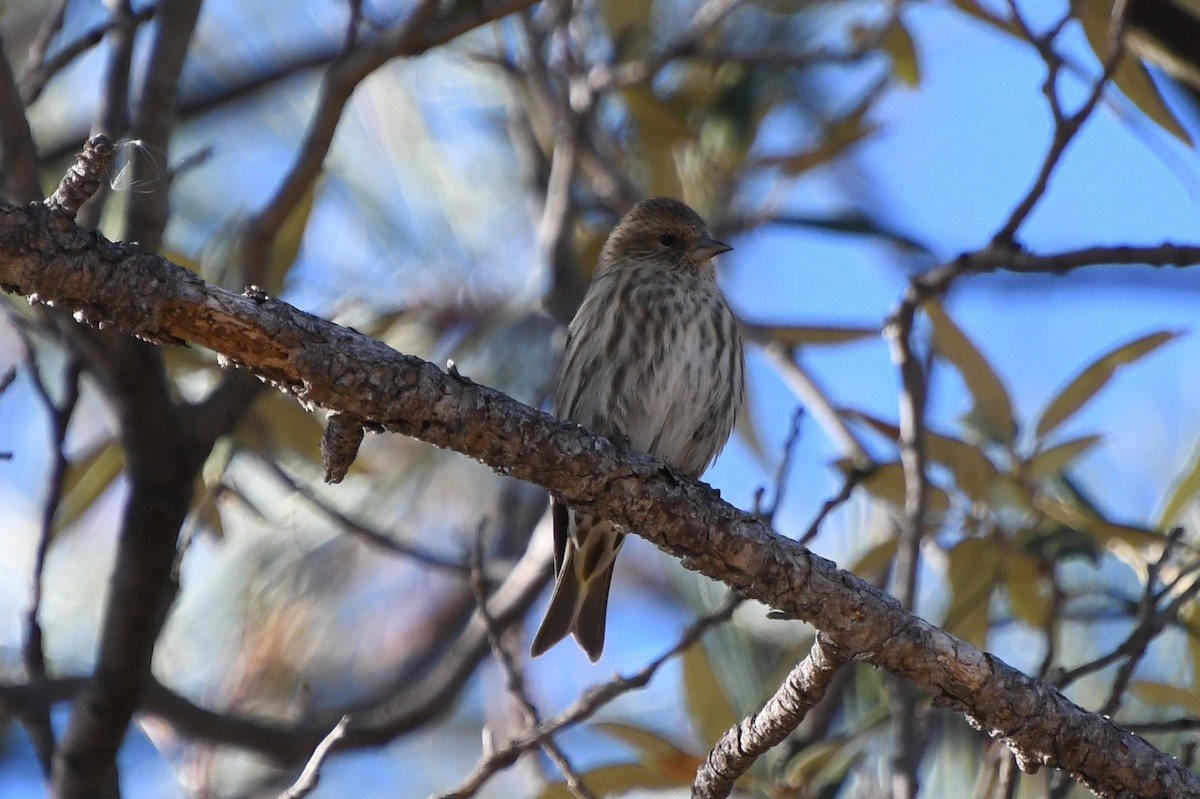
{"type": "Point", "coordinates": [840, 147]}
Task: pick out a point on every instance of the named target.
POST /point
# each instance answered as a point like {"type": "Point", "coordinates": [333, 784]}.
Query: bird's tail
{"type": "Point", "coordinates": [584, 557]}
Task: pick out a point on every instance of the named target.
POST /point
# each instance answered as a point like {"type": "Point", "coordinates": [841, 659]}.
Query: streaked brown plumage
{"type": "Point", "coordinates": [653, 355]}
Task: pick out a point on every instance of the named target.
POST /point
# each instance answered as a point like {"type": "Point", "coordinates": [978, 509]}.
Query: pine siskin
{"type": "Point", "coordinates": [653, 356]}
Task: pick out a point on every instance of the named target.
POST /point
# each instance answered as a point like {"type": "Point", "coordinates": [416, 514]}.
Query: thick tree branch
{"type": "Point", "coordinates": [44, 257]}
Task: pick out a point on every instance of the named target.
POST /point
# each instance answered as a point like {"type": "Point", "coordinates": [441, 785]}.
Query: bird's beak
{"type": "Point", "coordinates": [708, 247]}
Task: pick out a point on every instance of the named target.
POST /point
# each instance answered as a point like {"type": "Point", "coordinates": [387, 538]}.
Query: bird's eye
{"type": "Point", "coordinates": [668, 239]}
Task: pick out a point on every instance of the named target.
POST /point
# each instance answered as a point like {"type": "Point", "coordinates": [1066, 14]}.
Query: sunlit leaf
{"type": "Point", "coordinates": [876, 559]}
{"type": "Point", "coordinates": [1029, 593]}
{"type": "Point", "coordinates": [617, 778]}
{"type": "Point", "coordinates": [1007, 492]}
{"type": "Point", "coordinates": [661, 125]}
{"type": "Point", "coordinates": [652, 748]}
{"type": "Point", "coordinates": [86, 479]}
{"type": "Point", "coordinates": [973, 471]}
{"type": "Point", "coordinates": [800, 335]}
{"type": "Point", "coordinates": [993, 410]}
{"type": "Point", "coordinates": [708, 707]}
{"type": "Point", "coordinates": [1189, 618]}
{"type": "Point", "coordinates": [1053, 461]}
{"type": "Point", "coordinates": [1161, 694]}
{"type": "Point", "coordinates": [1183, 493]}
{"type": "Point", "coordinates": [1095, 376]}
{"type": "Point", "coordinates": [899, 45]}
{"type": "Point", "coordinates": [1106, 532]}
{"type": "Point", "coordinates": [1131, 77]}
{"type": "Point", "coordinates": [973, 571]}
{"type": "Point", "coordinates": [885, 481]}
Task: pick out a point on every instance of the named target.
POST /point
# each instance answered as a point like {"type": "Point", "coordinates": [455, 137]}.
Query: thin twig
{"type": "Point", "coordinates": [311, 775]}
{"type": "Point", "coordinates": [514, 680]}
{"type": "Point", "coordinates": [582, 708]}
{"type": "Point", "coordinates": [367, 535]}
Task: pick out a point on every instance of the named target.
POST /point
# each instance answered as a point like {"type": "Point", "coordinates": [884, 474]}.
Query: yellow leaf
{"type": "Point", "coordinates": [653, 749]}
{"type": "Point", "coordinates": [973, 471]}
{"type": "Point", "coordinates": [886, 482]}
{"type": "Point", "coordinates": [1130, 76]}
{"type": "Point", "coordinates": [877, 559]}
{"type": "Point", "coordinates": [973, 574]}
{"type": "Point", "coordinates": [1108, 533]}
{"type": "Point", "coordinates": [1051, 462]}
{"type": "Point", "coordinates": [1095, 376]}
{"type": "Point", "coordinates": [619, 778]}
{"type": "Point", "coordinates": [1189, 617]}
{"type": "Point", "coordinates": [1185, 490]}
{"type": "Point", "coordinates": [709, 708]}
{"type": "Point", "coordinates": [993, 410]}
{"type": "Point", "coordinates": [1185, 700]}
{"type": "Point", "coordinates": [86, 479]}
{"type": "Point", "coordinates": [1029, 593]}
{"type": "Point", "coordinates": [899, 45]}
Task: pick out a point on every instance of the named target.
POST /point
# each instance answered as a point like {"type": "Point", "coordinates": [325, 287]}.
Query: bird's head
{"type": "Point", "coordinates": [663, 232]}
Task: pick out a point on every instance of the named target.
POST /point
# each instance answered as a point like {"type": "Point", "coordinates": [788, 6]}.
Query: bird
{"type": "Point", "coordinates": [654, 361]}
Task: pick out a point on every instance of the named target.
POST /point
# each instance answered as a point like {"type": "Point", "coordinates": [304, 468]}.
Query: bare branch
{"type": "Point", "coordinates": [514, 680]}
{"type": "Point", "coordinates": [582, 708]}
{"type": "Point", "coordinates": [307, 782]}
{"type": "Point", "coordinates": [738, 748]}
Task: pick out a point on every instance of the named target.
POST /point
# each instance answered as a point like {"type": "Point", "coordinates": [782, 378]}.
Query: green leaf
{"type": "Point", "coordinates": [1094, 377]}
{"type": "Point", "coordinates": [708, 707]}
{"type": "Point", "coordinates": [1131, 77]}
{"type": "Point", "coordinates": [86, 479]}
{"type": "Point", "coordinates": [800, 335]}
{"type": "Point", "coordinates": [1028, 590]}
{"type": "Point", "coordinates": [618, 778]}
{"type": "Point", "coordinates": [652, 748]}
{"type": "Point", "coordinates": [1052, 462]}
{"type": "Point", "coordinates": [1184, 492]}
{"type": "Point", "coordinates": [973, 572]}
{"type": "Point", "coordinates": [993, 409]}
{"type": "Point", "coordinates": [899, 45]}
{"type": "Point", "coordinates": [886, 482]}
{"type": "Point", "coordinates": [823, 763]}
{"type": "Point", "coordinates": [1160, 694]}
{"type": "Point", "coordinates": [877, 559]}
{"type": "Point", "coordinates": [973, 471]}
{"type": "Point", "coordinates": [1104, 531]}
